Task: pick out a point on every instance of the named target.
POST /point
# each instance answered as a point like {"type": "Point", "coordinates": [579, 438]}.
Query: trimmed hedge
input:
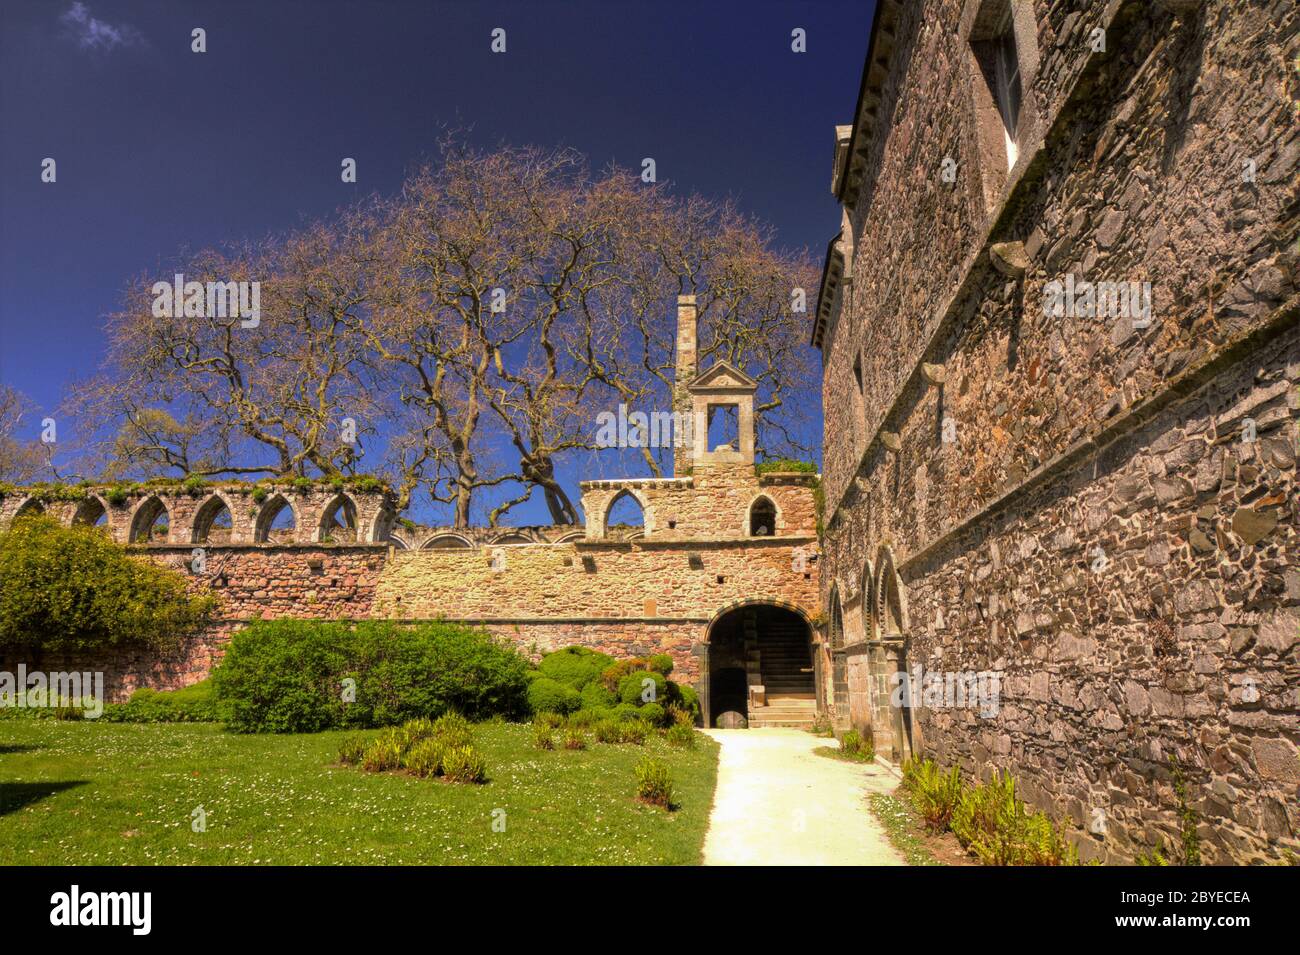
{"type": "Point", "coordinates": [288, 676]}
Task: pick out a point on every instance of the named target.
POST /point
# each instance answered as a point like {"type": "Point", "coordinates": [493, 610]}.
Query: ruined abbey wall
{"type": "Point", "coordinates": [1105, 513]}
{"type": "Point", "coordinates": [627, 594]}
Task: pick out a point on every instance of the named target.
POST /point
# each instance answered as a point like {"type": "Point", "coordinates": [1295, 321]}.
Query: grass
{"type": "Point", "coordinates": [112, 794]}
{"type": "Point", "coordinates": [903, 827]}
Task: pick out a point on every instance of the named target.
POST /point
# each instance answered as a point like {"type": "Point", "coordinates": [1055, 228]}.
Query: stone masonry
{"type": "Point", "coordinates": [1098, 504]}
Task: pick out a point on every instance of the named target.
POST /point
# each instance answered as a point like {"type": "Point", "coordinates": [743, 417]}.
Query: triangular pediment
{"type": "Point", "coordinates": [723, 376]}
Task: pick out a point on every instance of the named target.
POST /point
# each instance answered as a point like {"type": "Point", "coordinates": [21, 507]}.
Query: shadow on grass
{"type": "Point", "coordinates": [7, 748]}
{"type": "Point", "coordinates": [14, 796]}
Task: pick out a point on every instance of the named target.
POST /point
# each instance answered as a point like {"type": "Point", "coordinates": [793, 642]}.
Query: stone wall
{"type": "Point", "coordinates": [541, 588]}
{"type": "Point", "coordinates": [998, 450]}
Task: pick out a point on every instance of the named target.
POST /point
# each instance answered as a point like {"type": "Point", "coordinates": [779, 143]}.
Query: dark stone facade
{"type": "Point", "coordinates": [1097, 505]}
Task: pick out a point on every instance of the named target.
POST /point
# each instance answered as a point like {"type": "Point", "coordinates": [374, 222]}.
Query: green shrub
{"type": "Point", "coordinates": [574, 738]}
{"type": "Point", "coordinates": [352, 750]}
{"type": "Point", "coordinates": [636, 732]}
{"type": "Point", "coordinates": [425, 756]}
{"type": "Point", "coordinates": [551, 720]}
{"type": "Point", "coordinates": [75, 589]}
{"type": "Point", "coordinates": [681, 734]}
{"type": "Point", "coordinates": [654, 785]}
{"type": "Point", "coordinates": [574, 666]}
{"type": "Point", "coordinates": [287, 675]}
{"type": "Point", "coordinates": [196, 703]}
{"type": "Point", "coordinates": [596, 697]}
{"type": "Point", "coordinates": [639, 684]}
{"type": "Point", "coordinates": [684, 697]}
{"type": "Point", "coordinates": [608, 731]}
{"type": "Point", "coordinates": [661, 663]}
{"type": "Point", "coordinates": [653, 713]}
{"type": "Point", "coordinates": [464, 764]}
{"type": "Point", "coordinates": [551, 696]}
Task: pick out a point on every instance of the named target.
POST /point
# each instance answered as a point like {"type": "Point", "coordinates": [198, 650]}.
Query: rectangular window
{"type": "Point", "coordinates": [724, 427]}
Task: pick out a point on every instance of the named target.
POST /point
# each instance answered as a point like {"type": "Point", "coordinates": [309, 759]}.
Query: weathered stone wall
{"type": "Point", "coordinates": [1170, 158]}
{"type": "Point", "coordinates": [535, 586]}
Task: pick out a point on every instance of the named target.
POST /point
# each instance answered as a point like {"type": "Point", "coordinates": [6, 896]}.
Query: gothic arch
{"type": "Point", "coordinates": [201, 530]}
{"type": "Point", "coordinates": [870, 612]}
{"type": "Point", "coordinates": [762, 512]}
{"type": "Point", "coordinates": [891, 598]}
{"type": "Point", "coordinates": [89, 512]}
{"type": "Point", "coordinates": [338, 521]}
{"type": "Point", "coordinates": [570, 538]}
{"type": "Point", "coordinates": [267, 514]}
{"type": "Point", "coordinates": [145, 518]}
{"type": "Point", "coordinates": [32, 507]}
{"type": "Point", "coordinates": [835, 620]}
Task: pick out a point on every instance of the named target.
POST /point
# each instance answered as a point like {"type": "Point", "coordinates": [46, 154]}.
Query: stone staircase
{"type": "Point", "coordinates": [797, 710]}
{"type": "Point", "coordinates": [781, 662]}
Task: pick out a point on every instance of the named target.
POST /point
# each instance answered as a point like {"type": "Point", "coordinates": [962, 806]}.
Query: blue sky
{"type": "Point", "coordinates": [160, 149]}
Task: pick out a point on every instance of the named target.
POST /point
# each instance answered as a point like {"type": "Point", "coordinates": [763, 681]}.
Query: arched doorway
{"type": "Point", "coordinates": [759, 668]}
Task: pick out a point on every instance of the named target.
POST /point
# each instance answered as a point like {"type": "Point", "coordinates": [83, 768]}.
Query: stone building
{"type": "Point", "coordinates": [1059, 335]}
{"type": "Point", "coordinates": [722, 573]}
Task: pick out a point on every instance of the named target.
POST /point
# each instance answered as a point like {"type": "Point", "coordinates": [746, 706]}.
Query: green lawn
{"type": "Point", "coordinates": [107, 794]}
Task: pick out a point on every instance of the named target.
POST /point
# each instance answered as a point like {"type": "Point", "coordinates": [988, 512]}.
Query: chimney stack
{"type": "Point", "coordinates": [684, 375]}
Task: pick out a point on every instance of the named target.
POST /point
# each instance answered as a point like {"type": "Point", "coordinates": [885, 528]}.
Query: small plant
{"type": "Point", "coordinates": [352, 750]}
{"type": "Point", "coordinates": [635, 732]}
{"type": "Point", "coordinates": [680, 716]}
{"type": "Point", "coordinates": [553, 720]}
{"type": "Point", "coordinates": [574, 738]}
{"type": "Point", "coordinates": [654, 785]}
{"type": "Point", "coordinates": [1156, 857]}
{"type": "Point", "coordinates": [450, 724]}
{"type": "Point", "coordinates": [608, 731]}
{"type": "Point", "coordinates": [1187, 817]}
{"type": "Point", "coordinates": [418, 729]}
{"type": "Point", "coordinates": [821, 726]}
{"type": "Point", "coordinates": [681, 735]}
{"type": "Point", "coordinates": [425, 757]}
{"type": "Point", "coordinates": [934, 793]}
{"type": "Point", "coordinates": [464, 764]}
{"type": "Point", "coordinates": [851, 743]}
{"type": "Point", "coordinates": [383, 754]}
{"type": "Point", "coordinates": [543, 736]}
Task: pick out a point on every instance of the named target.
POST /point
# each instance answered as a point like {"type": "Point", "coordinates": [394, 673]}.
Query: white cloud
{"type": "Point", "coordinates": [91, 33]}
